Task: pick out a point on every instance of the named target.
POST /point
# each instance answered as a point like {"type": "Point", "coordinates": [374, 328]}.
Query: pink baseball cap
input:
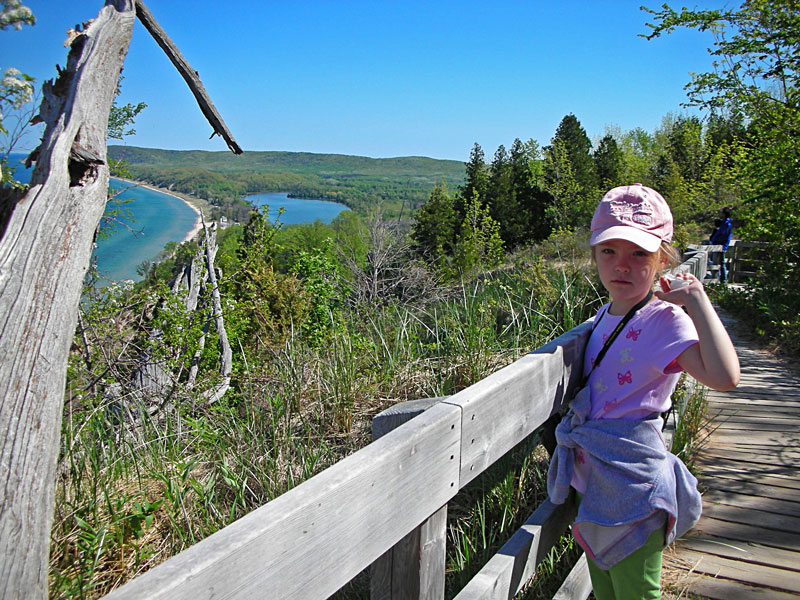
{"type": "Point", "coordinates": [634, 213]}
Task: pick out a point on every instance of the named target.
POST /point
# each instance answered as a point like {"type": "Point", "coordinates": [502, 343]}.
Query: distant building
{"type": "Point", "coordinates": [223, 222]}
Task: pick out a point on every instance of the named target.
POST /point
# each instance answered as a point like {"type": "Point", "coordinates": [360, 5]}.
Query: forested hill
{"type": "Point", "coordinates": [358, 181]}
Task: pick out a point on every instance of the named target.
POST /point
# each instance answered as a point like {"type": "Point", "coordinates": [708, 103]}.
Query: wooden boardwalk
{"type": "Point", "coordinates": [747, 544]}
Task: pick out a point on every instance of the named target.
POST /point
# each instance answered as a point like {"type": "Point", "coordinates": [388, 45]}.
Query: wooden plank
{"type": "Point", "coordinates": [750, 426]}
{"type": "Point", "coordinates": [515, 563]}
{"type": "Point", "coordinates": [757, 412]}
{"type": "Point", "coordinates": [766, 520]}
{"type": "Point", "coordinates": [780, 402]}
{"type": "Point", "coordinates": [776, 410]}
{"type": "Point", "coordinates": [578, 584]}
{"type": "Point", "coordinates": [768, 577]}
{"type": "Point", "coordinates": [735, 472]}
{"type": "Point", "coordinates": [760, 503]}
{"type": "Point", "coordinates": [767, 438]}
{"type": "Point", "coordinates": [783, 494]}
{"type": "Point", "coordinates": [783, 401]}
{"type": "Point", "coordinates": [786, 454]}
{"type": "Point", "coordinates": [400, 414]}
{"type": "Point", "coordinates": [413, 569]}
{"type": "Point", "coordinates": [747, 532]}
{"type": "Point", "coordinates": [721, 589]}
{"type": "Point", "coordinates": [500, 411]}
{"type": "Point", "coordinates": [780, 412]}
{"type": "Point", "coordinates": [772, 389]}
{"type": "Point", "coordinates": [751, 466]}
{"type": "Point", "coordinates": [784, 458]}
{"type": "Point", "coordinates": [313, 539]}
{"type": "Point", "coordinates": [744, 551]}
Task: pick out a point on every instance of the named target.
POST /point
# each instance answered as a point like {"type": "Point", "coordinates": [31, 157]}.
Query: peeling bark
{"type": "Point", "coordinates": [45, 246]}
{"type": "Point", "coordinates": [44, 254]}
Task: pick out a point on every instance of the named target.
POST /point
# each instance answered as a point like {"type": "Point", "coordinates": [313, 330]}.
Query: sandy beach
{"type": "Point", "coordinates": [198, 222]}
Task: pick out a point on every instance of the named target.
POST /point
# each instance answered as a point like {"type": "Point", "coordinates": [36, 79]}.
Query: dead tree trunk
{"type": "Point", "coordinates": [152, 381]}
{"type": "Point", "coordinates": [44, 255]}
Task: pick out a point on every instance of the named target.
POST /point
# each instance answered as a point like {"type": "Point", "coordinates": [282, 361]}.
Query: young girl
{"type": "Point", "coordinates": [635, 496]}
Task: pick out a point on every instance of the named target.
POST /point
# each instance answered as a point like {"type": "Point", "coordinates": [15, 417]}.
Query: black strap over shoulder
{"type": "Point", "coordinates": [617, 330]}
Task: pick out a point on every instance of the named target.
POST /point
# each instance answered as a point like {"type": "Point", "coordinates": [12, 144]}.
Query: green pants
{"type": "Point", "coordinates": [635, 577]}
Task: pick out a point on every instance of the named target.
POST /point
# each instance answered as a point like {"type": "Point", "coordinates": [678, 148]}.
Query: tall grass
{"type": "Point", "coordinates": [132, 492]}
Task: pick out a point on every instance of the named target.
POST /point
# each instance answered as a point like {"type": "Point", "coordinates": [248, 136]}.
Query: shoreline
{"type": "Point", "coordinates": [198, 222]}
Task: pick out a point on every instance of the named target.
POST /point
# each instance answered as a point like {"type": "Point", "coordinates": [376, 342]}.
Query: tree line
{"type": "Point", "coordinates": [529, 192]}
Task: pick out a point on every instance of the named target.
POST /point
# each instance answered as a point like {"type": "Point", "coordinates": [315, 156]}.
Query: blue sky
{"type": "Point", "coordinates": [386, 78]}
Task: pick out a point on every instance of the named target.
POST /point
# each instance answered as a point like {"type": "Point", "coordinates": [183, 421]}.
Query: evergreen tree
{"type": "Point", "coordinates": [572, 136]}
{"type": "Point", "coordinates": [477, 181]}
{"type": "Point", "coordinates": [434, 227]}
{"type": "Point", "coordinates": [609, 163]}
{"type": "Point", "coordinates": [567, 201]}
{"type": "Point", "coordinates": [570, 177]}
{"type": "Point", "coordinates": [725, 129]}
{"type": "Point", "coordinates": [479, 244]}
{"type": "Point", "coordinates": [529, 222]}
{"type": "Point", "coordinates": [685, 146]}
{"type": "Point", "coordinates": [500, 196]}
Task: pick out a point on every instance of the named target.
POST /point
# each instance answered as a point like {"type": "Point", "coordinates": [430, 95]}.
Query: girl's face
{"type": "Point", "coordinates": [627, 272]}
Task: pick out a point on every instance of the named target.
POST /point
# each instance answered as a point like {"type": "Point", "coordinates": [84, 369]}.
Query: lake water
{"type": "Point", "coordinates": [158, 219]}
{"type": "Point", "coordinates": [298, 210]}
{"type": "Point", "coordinates": [162, 218]}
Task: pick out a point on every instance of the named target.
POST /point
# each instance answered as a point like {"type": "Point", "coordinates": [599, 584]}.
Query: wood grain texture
{"type": "Point", "coordinates": [44, 255]}
{"type": "Point", "coordinates": [751, 574]}
{"type": "Point", "coordinates": [503, 409]}
{"type": "Point", "coordinates": [577, 585]}
{"type": "Point", "coordinates": [315, 538]}
{"type": "Point", "coordinates": [413, 569]}
{"type": "Point", "coordinates": [515, 563]}
{"type": "Point", "coordinates": [713, 588]}
{"type": "Point", "coordinates": [747, 543]}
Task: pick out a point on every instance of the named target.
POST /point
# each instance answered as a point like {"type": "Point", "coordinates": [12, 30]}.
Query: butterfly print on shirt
{"type": "Point", "coordinates": [623, 378]}
{"type": "Point", "coordinates": [625, 355]}
{"type": "Point", "coordinates": [633, 334]}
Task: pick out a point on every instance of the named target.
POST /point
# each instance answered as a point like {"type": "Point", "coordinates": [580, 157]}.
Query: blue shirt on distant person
{"type": "Point", "coordinates": [722, 235]}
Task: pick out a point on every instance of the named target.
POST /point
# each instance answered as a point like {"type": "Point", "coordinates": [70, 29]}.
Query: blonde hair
{"type": "Point", "coordinates": [668, 255]}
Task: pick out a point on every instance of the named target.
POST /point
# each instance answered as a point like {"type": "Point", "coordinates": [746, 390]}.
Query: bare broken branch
{"type": "Point", "coordinates": [189, 75]}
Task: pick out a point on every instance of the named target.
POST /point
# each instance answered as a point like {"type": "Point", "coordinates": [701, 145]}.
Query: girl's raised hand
{"type": "Point", "coordinates": [713, 360]}
{"type": "Point", "coordinates": [677, 289]}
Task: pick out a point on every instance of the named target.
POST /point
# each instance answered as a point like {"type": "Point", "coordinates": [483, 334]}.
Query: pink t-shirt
{"type": "Point", "coordinates": [639, 372]}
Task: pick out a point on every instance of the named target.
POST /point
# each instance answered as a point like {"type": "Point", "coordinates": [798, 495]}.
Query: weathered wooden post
{"type": "Point", "coordinates": [414, 568]}
{"type": "Point", "coordinates": [44, 254]}
{"type": "Point", "coordinates": [45, 244]}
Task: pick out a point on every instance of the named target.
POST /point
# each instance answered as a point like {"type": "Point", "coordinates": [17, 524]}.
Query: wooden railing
{"type": "Point", "coordinates": [386, 505]}
{"type": "Point", "coordinates": [742, 259]}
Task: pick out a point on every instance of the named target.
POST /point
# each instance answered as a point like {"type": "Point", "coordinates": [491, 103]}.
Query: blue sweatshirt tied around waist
{"type": "Point", "coordinates": [634, 487]}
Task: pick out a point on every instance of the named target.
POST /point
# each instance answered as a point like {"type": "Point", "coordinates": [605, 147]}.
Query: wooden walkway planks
{"type": "Point", "coordinates": [747, 544]}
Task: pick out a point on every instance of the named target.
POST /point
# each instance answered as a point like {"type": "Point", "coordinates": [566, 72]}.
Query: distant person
{"type": "Point", "coordinates": [635, 496]}
{"type": "Point", "coordinates": [717, 223]}
{"type": "Point", "coordinates": [722, 237]}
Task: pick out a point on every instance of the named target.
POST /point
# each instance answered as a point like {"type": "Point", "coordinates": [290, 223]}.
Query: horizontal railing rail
{"type": "Point", "coordinates": [386, 503]}
{"type": "Point", "coordinates": [742, 259]}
